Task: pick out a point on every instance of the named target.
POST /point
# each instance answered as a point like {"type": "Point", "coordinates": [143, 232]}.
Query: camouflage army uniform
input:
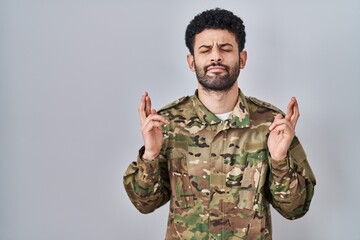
{"type": "Point", "coordinates": [218, 175]}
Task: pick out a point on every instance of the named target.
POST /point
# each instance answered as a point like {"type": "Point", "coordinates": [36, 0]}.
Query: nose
{"type": "Point", "coordinates": [216, 56]}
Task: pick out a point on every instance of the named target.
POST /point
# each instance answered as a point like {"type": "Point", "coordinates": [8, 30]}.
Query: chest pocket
{"type": "Point", "coordinates": [182, 194]}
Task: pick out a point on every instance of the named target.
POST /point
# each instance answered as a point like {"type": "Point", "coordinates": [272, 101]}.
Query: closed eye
{"type": "Point", "coordinates": [226, 47]}
{"type": "Point", "coordinates": [204, 48]}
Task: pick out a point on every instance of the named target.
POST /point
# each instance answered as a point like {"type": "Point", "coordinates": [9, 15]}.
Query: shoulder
{"type": "Point", "coordinates": [257, 105]}
{"type": "Point", "coordinates": [175, 105]}
{"type": "Point", "coordinates": [178, 111]}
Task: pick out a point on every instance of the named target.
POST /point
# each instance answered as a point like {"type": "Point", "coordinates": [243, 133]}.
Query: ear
{"type": "Point", "coordinates": [191, 62]}
{"type": "Point", "coordinates": [243, 58]}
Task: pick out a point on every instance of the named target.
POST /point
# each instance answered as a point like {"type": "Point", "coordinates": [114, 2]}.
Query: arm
{"type": "Point", "coordinates": [291, 183]}
{"type": "Point", "coordinates": [291, 180]}
{"type": "Point", "coordinates": [146, 181]}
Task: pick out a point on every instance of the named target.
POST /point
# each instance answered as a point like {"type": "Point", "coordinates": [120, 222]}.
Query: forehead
{"type": "Point", "coordinates": [213, 36]}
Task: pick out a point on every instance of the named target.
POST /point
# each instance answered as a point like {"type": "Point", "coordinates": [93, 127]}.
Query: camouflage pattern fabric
{"type": "Point", "coordinates": [218, 175]}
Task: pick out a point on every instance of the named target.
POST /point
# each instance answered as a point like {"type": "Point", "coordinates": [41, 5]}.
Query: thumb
{"type": "Point", "coordinates": [273, 124]}
{"type": "Point", "coordinates": [278, 116]}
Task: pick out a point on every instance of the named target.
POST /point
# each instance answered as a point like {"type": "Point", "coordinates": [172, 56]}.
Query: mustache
{"type": "Point", "coordinates": [216, 65]}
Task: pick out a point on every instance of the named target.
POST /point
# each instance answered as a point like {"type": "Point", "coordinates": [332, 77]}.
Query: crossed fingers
{"type": "Point", "coordinates": [281, 124]}
{"type": "Point", "coordinates": [293, 113]}
{"type": "Point", "coordinates": [149, 115]}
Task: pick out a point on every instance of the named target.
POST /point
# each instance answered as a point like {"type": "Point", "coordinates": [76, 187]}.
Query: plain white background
{"type": "Point", "coordinates": [72, 74]}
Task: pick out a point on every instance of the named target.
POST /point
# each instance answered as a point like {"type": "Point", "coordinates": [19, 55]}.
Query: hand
{"type": "Point", "coordinates": [283, 131]}
{"type": "Point", "coordinates": [151, 128]}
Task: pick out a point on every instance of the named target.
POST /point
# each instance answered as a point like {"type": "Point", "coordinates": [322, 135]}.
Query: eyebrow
{"type": "Point", "coordinates": [225, 44]}
{"type": "Point", "coordinates": [205, 46]}
{"type": "Point", "coordinates": [220, 45]}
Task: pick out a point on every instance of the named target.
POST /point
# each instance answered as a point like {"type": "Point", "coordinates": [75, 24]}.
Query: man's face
{"type": "Point", "coordinates": [216, 60]}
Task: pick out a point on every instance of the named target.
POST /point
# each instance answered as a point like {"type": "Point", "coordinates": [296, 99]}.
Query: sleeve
{"type": "Point", "coordinates": [147, 183]}
{"type": "Point", "coordinates": [291, 183]}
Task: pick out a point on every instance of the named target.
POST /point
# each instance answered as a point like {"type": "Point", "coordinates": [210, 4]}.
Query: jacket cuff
{"type": "Point", "coordinates": [279, 168]}
{"type": "Point", "coordinates": [149, 168]}
{"type": "Point", "coordinates": [295, 156]}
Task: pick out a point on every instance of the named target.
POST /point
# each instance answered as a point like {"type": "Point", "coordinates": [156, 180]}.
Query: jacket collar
{"type": "Point", "coordinates": [239, 118]}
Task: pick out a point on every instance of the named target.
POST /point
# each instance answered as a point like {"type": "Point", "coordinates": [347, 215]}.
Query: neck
{"type": "Point", "coordinates": [219, 102]}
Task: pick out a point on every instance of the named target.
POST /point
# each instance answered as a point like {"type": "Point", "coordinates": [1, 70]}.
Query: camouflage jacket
{"type": "Point", "coordinates": [218, 175]}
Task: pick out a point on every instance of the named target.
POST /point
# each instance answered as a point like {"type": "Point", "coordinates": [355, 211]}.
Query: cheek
{"type": "Point", "coordinates": [198, 65]}
{"type": "Point", "coordinates": [235, 61]}
{"type": "Point", "coordinates": [199, 68]}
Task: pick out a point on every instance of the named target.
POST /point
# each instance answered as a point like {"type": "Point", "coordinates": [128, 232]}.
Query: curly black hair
{"type": "Point", "coordinates": [215, 19]}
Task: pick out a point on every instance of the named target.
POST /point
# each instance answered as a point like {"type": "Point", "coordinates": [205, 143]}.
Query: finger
{"type": "Point", "coordinates": [290, 109]}
{"type": "Point", "coordinates": [141, 109]}
{"type": "Point", "coordinates": [164, 120]}
{"type": "Point", "coordinates": [279, 122]}
{"type": "Point", "coordinates": [276, 118]}
{"type": "Point", "coordinates": [283, 127]}
{"type": "Point", "coordinates": [155, 117]}
{"type": "Point", "coordinates": [151, 125]}
{"type": "Point", "coordinates": [296, 114]}
{"type": "Point", "coordinates": [147, 104]}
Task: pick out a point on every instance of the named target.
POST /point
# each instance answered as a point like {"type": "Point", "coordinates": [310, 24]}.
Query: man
{"type": "Point", "coordinates": [221, 158]}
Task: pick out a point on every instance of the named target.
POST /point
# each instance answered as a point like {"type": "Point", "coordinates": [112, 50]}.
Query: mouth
{"type": "Point", "coordinates": [216, 69]}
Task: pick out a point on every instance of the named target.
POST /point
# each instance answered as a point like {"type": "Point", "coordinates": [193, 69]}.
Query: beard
{"type": "Point", "coordinates": [219, 81]}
